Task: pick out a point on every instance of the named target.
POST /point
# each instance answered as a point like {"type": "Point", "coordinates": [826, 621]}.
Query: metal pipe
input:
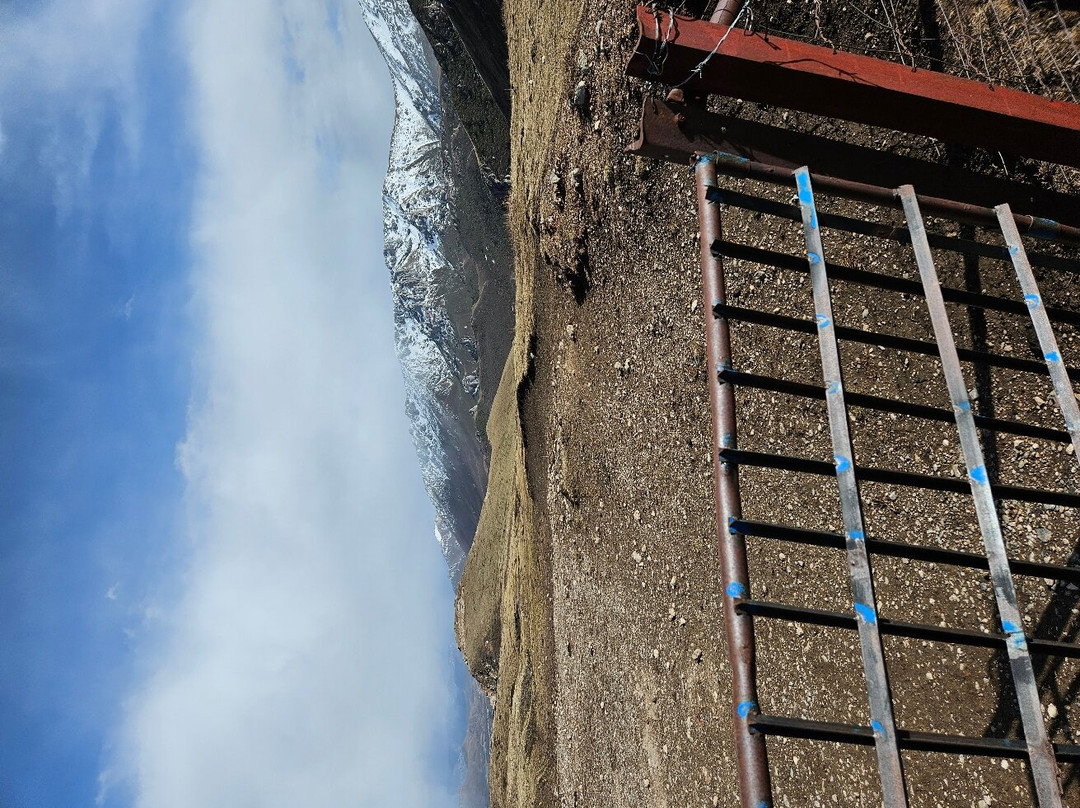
{"type": "Point", "coordinates": [909, 739]}
{"type": "Point", "coordinates": [732, 165]}
{"type": "Point", "coordinates": [726, 11]}
{"type": "Point", "coordinates": [755, 787]}
{"type": "Point", "coordinates": [891, 405]}
{"type": "Point", "coordinates": [897, 549]}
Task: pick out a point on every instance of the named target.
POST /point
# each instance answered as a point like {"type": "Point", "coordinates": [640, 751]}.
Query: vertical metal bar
{"type": "Point", "coordinates": [1044, 769]}
{"type": "Point", "coordinates": [755, 787]}
{"type": "Point", "coordinates": [1063, 388]}
{"type": "Point", "coordinates": [890, 766]}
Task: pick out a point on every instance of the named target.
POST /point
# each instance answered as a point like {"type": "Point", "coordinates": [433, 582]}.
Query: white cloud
{"type": "Point", "coordinates": [82, 56]}
{"type": "Point", "coordinates": [305, 663]}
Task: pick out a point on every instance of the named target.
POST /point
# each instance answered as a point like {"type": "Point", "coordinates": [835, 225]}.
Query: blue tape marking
{"type": "Point", "coordinates": [1053, 356]}
{"type": "Point", "coordinates": [821, 320]}
{"type": "Point", "coordinates": [806, 196]}
{"type": "Point", "coordinates": [1016, 634]}
{"type": "Point", "coordinates": [877, 728]}
{"type": "Point", "coordinates": [735, 590]}
{"type": "Point", "coordinates": [1032, 301]}
{"type": "Point", "coordinates": [842, 463]}
{"type": "Point", "coordinates": [1044, 228]}
{"type": "Point", "coordinates": [745, 707]}
{"type": "Point", "coordinates": [762, 804]}
{"type": "Point", "coordinates": [1014, 249]}
{"type": "Point", "coordinates": [963, 406]}
{"type": "Point", "coordinates": [857, 535]}
{"type": "Point", "coordinates": [834, 387]}
{"type": "Point", "coordinates": [978, 474]}
{"type": "Point", "coordinates": [867, 613]}
{"type": "Point", "coordinates": [813, 257]}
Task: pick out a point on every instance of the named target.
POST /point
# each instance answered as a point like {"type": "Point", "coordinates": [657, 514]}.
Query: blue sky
{"type": "Point", "coordinates": [218, 580]}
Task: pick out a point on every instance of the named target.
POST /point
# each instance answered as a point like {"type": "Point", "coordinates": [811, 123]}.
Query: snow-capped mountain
{"type": "Point", "coordinates": [436, 350]}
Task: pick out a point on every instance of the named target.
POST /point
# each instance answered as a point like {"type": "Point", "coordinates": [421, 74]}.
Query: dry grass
{"type": "Point", "coordinates": [503, 619]}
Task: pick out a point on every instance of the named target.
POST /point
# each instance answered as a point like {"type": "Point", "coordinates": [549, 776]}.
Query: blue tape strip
{"type": "Point", "coordinates": [867, 613]}
{"type": "Point", "coordinates": [857, 535]}
{"type": "Point", "coordinates": [877, 728]}
{"type": "Point", "coordinates": [806, 196]}
{"type": "Point", "coordinates": [821, 320]}
{"type": "Point", "coordinates": [1053, 356]}
{"type": "Point", "coordinates": [978, 474]}
{"type": "Point", "coordinates": [735, 590]}
{"type": "Point", "coordinates": [1032, 301]}
{"type": "Point", "coordinates": [963, 406]}
{"type": "Point", "coordinates": [745, 708]}
{"type": "Point", "coordinates": [842, 463]}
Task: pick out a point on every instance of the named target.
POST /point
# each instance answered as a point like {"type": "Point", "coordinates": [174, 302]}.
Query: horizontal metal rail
{"type": "Point", "coordinates": [732, 165]}
{"type": "Point", "coordinates": [907, 739]}
{"type": "Point", "coordinates": [900, 235]}
{"type": "Point", "coordinates": [915, 346]}
{"type": "Point", "coordinates": [896, 549]}
{"type": "Point", "coordinates": [891, 405]}
{"type": "Point", "coordinates": [906, 479]}
{"type": "Point", "coordinates": [902, 628]}
{"type": "Point", "coordinates": [878, 280]}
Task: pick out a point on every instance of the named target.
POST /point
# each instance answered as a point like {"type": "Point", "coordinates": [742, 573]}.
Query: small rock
{"type": "Point", "coordinates": [697, 655]}
{"type": "Point", "coordinates": [570, 330]}
{"type": "Point", "coordinates": [1052, 710]}
{"type": "Point", "coordinates": [581, 96]}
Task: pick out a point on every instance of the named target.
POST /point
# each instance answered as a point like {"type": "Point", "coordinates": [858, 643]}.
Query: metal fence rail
{"type": "Point", "coordinates": [753, 722]}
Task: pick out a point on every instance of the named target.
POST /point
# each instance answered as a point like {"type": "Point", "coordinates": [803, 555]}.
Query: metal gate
{"type": "Point", "coordinates": [985, 394]}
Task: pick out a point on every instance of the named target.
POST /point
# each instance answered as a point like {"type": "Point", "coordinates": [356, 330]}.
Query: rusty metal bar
{"type": "Point", "coordinates": [897, 549]}
{"type": "Point", "coordinates": [680, 50]}
{"type": "Point", "coordinates": [755, 786]}
{"type": "Point", "coordinates": [733, 165]}
{"type": "Point", "coordinates": [902, 628]}
{"type": "Point", "coordinates": [1040, 319]}
{"type": "Point", "coordinates": [906, 479]}
{"type": "Point", "coordinates": [915, 741]}
{"type": "Point", "coordinates": [915, 346]}
{"type": "Point", "coordinates": [890, 767]}
{"type": "Point", "coordinates": [890, 232]}
{"type": "Point", "coordinates": [883, 404]}
{"type": "Point", "coordinates": [679, 132]}
{"type": "Point", "coordinates": [892, 283]}
{"type": "Point", "coordinates": [1040, 753]}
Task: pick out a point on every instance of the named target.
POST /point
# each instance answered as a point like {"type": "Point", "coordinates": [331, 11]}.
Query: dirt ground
{"type": "Point", "coordinates": [591, 604]}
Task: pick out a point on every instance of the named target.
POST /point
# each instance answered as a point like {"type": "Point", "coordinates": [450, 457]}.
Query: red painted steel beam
{"type": "Point", "coordinates": [855, 88]}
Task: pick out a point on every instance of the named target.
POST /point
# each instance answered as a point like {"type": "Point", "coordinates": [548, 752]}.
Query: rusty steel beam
{"type": "Point", "coordinates": [682, 51]}
{"type": "Point", "coordinates": [680, 133]}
